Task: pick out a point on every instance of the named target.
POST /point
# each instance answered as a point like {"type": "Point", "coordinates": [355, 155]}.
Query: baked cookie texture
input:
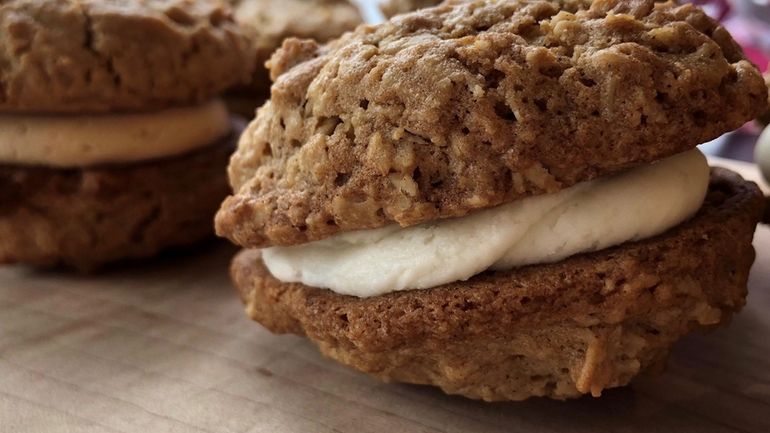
{"type": "Point", "coordinates": [269, 22]}
{"type": "Point", "coordinates": [561, 330]}
{"type": "Point", "coordinates": [764, 118]}
{"type": "Point", "coordinates": [117, 55]}
{"type": "Point", "coordinates": [85, 218]}
{"type": "Point", "coordinates": [394, 7]}
{"type": "Point", "coordinates": [475, 103]}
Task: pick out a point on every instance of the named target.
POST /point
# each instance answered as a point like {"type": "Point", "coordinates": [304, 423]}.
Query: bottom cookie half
{"type": "Point", "coordinates": [87, 217]}
{"type": "Point", "coordinates": [590, 322]}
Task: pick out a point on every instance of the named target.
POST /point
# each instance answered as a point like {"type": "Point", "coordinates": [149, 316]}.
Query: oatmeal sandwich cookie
{"type": "Point", "coordinates": [499, 197]}
{"type": "Point", "coordinates": [112, 139]}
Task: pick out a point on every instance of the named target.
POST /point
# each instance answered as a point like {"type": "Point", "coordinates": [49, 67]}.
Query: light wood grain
{"type": "Point", "coordinates": [165, 347]}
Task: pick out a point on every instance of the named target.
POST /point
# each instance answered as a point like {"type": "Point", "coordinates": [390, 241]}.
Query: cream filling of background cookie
{"type": "Point", "coordinates": [634, 205]}
{"type": "Point", "coordinates": [84, 140]}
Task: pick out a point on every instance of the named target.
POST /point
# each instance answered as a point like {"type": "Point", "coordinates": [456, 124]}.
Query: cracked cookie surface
{"type": "Point", "coordinates": [117, 55]}
{"type": "Point", "coordinates": [476, 103]}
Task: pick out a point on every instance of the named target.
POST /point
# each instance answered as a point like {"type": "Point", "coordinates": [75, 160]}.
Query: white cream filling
{"type": "Point", "coordinates": [83, 140]}
{"type": "Point", "coordinates": [633, 205]}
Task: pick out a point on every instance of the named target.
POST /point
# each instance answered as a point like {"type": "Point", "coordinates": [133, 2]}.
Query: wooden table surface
{"type": "Point", "coordinates": [165, 347]}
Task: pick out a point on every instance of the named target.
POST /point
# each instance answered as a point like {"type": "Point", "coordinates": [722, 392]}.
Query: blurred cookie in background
{"type": "Point", "coordinates": [113, 138]}
{"type": "Point", "coordinates": [268, 22]}
{"type": "Point", "coordinates": [395, 7]}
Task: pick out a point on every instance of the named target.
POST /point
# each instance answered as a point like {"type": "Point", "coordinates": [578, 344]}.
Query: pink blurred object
{"type": "Point", "coordinates": [718, 9]}
{"type": "Point", "coordinates": [749, 23]}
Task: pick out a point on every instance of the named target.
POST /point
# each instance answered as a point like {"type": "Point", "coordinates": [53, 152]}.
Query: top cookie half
{"type": "Point", "coordinates": [472, 104]}
{"type": "Point", "coordinates": [113, 55]}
